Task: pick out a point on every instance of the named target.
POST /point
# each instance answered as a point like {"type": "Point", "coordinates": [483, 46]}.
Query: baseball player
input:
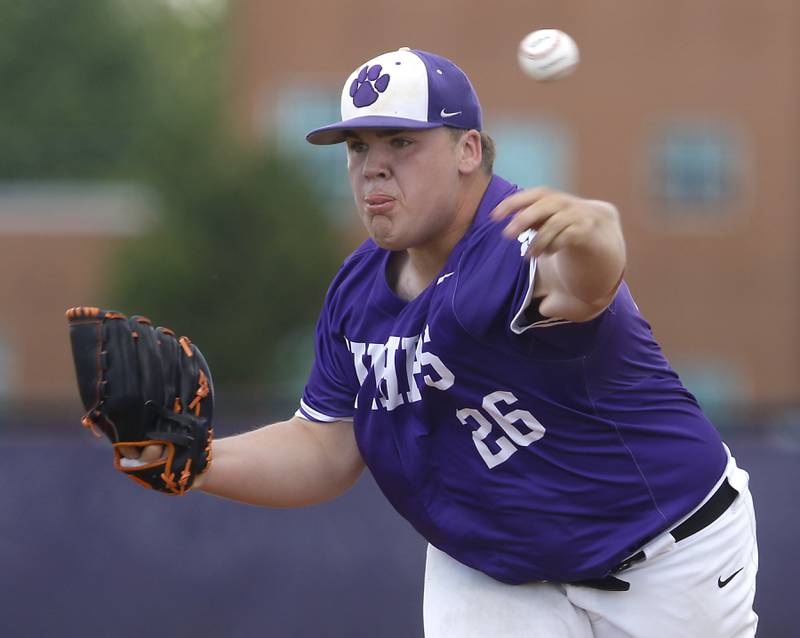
{"type": "Point", "coordinates": [483, 356]}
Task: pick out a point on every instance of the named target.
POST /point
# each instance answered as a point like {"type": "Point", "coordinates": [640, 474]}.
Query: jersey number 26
{"type": "Point", "coordinates": [513, 437]}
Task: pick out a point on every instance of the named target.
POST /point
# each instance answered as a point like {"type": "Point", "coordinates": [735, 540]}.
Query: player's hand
{"type": "Point", "coordinates": [560, 220]}
{"type": "Point", "coordinates": [151, 454]}
{"type": "Point", "coordinates": [143, 456]}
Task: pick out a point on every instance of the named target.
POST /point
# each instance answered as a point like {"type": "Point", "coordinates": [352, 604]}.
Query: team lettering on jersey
{"type": "Point", "coordinates": [383, 360]}
{"type": "Point", "coordinates": [515, 429]}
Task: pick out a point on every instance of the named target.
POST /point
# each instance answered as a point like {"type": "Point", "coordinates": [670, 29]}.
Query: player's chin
{"type": "Point", "coordinates": [392, 241]}
{"type": "Point", "coordinates": [384, 233]}
{"type": "Point", "coordinates": [387, 242]}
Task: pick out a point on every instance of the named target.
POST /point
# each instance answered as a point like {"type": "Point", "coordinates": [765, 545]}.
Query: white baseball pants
{"type": "Point", "coordinates": [700, 587]}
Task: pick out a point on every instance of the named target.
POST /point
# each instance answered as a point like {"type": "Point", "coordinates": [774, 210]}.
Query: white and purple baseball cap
{"type": "Point", "coordinates": [404, 89]}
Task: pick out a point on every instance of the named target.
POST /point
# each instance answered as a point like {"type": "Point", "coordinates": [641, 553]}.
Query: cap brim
{"type": "Point", "coordinates": [334, 133]}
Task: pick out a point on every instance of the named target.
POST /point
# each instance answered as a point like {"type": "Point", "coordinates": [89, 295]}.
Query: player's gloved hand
{"type": "Point", "coordinates": [149, 392]}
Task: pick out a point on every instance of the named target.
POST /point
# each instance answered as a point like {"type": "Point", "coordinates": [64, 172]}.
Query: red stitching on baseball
{"type": "Point", "coordinates": [536, 56]}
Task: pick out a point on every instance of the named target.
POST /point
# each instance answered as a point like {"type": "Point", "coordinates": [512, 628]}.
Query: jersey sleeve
{"type": "Point", "coordinates": [525, 308]}
{"type": "Point", "coordinates": [495, 286]}
{"type": "Point", "coordinates": [332, 385]}
{"type": "Point", "coordinates": [494, 302]}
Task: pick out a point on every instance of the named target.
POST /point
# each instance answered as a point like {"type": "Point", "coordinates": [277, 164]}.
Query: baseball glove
{"type": "Point", "coordinates": [143, 386]}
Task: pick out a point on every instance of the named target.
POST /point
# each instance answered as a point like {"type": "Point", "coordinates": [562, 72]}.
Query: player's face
{"type": "Point", "coordinates": [406, 184]}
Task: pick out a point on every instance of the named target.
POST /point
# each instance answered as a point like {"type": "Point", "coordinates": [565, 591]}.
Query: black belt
{"type": "Point", "coordinates": [711, 510]}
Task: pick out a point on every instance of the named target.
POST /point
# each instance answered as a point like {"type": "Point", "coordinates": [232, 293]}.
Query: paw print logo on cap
{"type": "Point", "coordinates": [369, 84]}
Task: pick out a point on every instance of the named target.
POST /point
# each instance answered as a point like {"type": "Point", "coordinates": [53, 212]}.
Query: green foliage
{"type": "Point", "coordinates": [239, 263]}
{"type": "Point", "coordinates": [131, 89]}
{"type": "Point", "coordinates": [73, 97]}
{"type": "Point", "coordinates": [89, 85]}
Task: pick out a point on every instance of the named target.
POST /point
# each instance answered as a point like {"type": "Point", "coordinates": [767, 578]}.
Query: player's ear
{"type": "Point", "coordinates": [470, 154]}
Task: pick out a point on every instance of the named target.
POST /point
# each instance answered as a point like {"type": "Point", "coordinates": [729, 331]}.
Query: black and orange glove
{"type": "Point", "coordinates": [143, 386]}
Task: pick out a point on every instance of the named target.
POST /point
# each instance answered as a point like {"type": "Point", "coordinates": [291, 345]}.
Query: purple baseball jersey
{"type": "Point", "coordinates": [525, 447]}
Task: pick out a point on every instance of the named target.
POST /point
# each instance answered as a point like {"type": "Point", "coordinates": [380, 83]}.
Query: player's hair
{"type": "Point", "coordinates": [487, 147]}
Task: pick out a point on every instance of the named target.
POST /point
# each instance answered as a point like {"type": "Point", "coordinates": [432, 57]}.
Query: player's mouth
{"type": "Point", "coordinates": [378, 203]}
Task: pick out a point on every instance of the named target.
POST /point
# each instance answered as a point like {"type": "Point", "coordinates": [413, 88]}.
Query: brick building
{"type": "Point", "coordinates": [56, 244]}
{"type": "Point", "coordinates": [682, 113]}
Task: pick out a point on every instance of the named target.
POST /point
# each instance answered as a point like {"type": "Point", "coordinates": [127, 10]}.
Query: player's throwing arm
{"type": "Point", "coordinates": [578, 245]}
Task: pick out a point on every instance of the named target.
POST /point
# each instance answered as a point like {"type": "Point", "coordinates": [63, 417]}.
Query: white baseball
{"type": "Point", "coordinates": [547, 54]}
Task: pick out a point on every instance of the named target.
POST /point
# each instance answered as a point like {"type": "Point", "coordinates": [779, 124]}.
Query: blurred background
{"type": "Point", "coordinates": [152, 159]}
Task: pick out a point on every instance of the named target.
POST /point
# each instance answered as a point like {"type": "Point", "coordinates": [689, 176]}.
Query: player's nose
{"type": "Point", "coordinates": [376, 164]}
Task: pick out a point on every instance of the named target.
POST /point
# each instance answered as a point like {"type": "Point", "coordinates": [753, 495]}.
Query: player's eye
{"type": "Point", "coordinates": [356, 146]}
{"type": "Point", "coordinates": [401, 142]}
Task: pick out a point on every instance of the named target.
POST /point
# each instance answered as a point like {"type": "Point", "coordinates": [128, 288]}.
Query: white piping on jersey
{"type": "Point", "coordinates": [318, 416]}
{"type": "Point", "coordinates": [517, 323]}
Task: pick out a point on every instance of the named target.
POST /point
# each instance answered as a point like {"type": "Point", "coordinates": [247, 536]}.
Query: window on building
{"type": "Point", "coordinates": [297, 111]}
{"type": "Point", "coordinates": [533, 151]}
{"type": "Point", "coordinates": [697, 167]}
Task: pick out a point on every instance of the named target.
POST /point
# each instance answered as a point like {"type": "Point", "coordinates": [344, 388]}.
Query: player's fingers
{"type": "Point", "coordinates": [148, 454]}
{"type": "Point", "coordinates": [554, 245]}
{"type": "Point", "coordinates": [547, 233]}
{"type": "Point", "coordinates": [518, 201]}
{"type": "Point", "coordinates": [129, 452]}
{"type": "Point", "coordinates": [533, 216]}
{"type": "Point", "coordinates": [569, 236]}
{"type": "Point", "coordinates": [152, 453]}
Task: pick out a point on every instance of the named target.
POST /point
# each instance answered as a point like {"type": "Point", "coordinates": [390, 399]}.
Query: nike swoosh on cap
{"type": "Point", "coordinates": [446, 114]}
